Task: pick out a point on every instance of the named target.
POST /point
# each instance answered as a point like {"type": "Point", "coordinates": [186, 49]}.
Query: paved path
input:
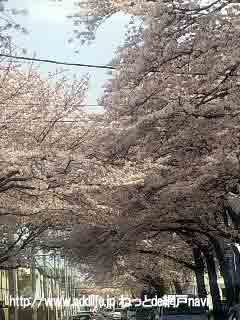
{"type": "Point", "coordinates": [166, 317]}
{"type": "Point", "coordinates": [185, 317]}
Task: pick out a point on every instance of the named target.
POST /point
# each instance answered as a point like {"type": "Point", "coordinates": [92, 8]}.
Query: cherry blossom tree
{"type": "Point", "coordinates": [172, 106]}
{"type": "Point", "coordinates": [47, 179]}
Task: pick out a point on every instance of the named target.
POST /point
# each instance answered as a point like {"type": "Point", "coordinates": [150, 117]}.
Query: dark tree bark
{"type": "Point", "coordinates": [159, 287]}
{"type": "Point", "coordinates": [177, 286]}
{"type": "Point", "coordinates": [213, 283]}
{"type": "Point", "coordinates": [236, 273]}
{"type": "Point", "coordinates": [199, 272]}
{"type": "Point", "coordinates": [234, 217]}
{"type": "Point", "coordinates": [225, 263]}
{"type": "Point", "coordinates": [154, 286]}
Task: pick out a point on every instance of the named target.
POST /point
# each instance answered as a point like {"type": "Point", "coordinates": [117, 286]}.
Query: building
{"type": "Point", "coordinates": [50, 279]}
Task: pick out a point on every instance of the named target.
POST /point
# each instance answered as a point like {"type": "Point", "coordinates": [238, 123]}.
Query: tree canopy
{"type": "Point", "coordinates": [150, 188]}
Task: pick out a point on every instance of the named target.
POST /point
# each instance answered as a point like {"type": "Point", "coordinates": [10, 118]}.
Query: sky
{"type": "Point", "coordinates": [49, 31]}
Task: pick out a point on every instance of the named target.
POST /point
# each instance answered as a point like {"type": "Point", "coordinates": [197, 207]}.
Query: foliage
{"type": "Point", "coordinates": [44, 174]}
{"type": "Point", "coordinates": [156, 177]}
{"type": "Point", "coordinates": [171, 134]}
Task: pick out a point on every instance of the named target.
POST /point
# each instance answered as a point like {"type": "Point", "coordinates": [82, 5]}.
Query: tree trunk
{"type": "Point", "coordinates": [236, 273]}
{"type": "Point", "coordinates": [177, 286]}
{"type": "Point", "coordinates": [213, 283]}
{"type": "Point", "coordinates": [234, 217]}
{"type": "Point", "coordinates": [226, 269]}
{"type": "Point", "coordinates": [199, 272]}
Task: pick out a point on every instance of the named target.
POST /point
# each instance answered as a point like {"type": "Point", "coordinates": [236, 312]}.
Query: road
{"type": "Point", "coordinates": [167, 317]}
{"type": "Point", "coordinates": [100, 316]}
{"type": "Point", "coordinates": [185, 317]}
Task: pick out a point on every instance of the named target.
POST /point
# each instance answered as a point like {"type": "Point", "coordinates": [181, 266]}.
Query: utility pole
{"type": "Point", "coordinates": [13, 285]}
{"type": "Point", "coordinates": [34, 311]}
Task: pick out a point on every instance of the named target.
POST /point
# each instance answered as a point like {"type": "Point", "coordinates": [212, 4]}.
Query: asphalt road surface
{"type": "Point", "coordinates": [185, 317]}
{"type": "Point", "coordinates": [167, 317]}
{"type": "Point", "coordinates": [100, 316]}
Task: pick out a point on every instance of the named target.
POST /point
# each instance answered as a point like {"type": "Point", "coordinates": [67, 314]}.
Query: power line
{"type": "Point", "coordinates": [108, 67]}
{"type": "Point", "coordinates": [3, 104]}
{"type": "Point", "coordinates": [18, 121]}
{"type": "Point", "coordinates": [57, 62]}
{"type": "Point", "coordinates": [41, 121]}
